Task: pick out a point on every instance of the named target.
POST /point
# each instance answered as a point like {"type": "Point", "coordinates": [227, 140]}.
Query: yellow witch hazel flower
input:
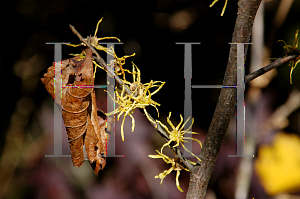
{"type": "Point", "coordinates": [93, 40]}
{"type": "Point", "coordinates": [215, 1]}
{"type": "Point", "coordinates": [291, 50]}
{"type": "Point", "coordinates": [140, 98]}
{"type": "Point", "coordinates": [176, 166]}
{"type": "Point", "coordinates": [177, 134]}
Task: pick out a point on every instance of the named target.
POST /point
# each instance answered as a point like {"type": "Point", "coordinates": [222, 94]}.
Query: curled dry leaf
{"type": "Point", "coordinates": [85, 124]}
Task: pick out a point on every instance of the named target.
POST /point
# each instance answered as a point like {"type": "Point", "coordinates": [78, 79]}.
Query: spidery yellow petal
{"type": "Point", "coordinates": [175, 166]}
{"type": "Point", "coordinates": [140, 98]}
{"type": "Point", "coordinates": [289, 51]}
{"type": "Point", "coordinates": [177, 134]}
{"type": "Point", "coordinates": [224, 8]}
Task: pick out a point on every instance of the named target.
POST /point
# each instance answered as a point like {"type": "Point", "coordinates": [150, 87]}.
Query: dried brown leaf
{"type": "Point", "coordinates": [84, 124]}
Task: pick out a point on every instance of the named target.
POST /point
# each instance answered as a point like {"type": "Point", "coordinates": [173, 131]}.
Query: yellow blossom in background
{"type": "Point", "coordinates": [289, 51]}
{"type": "Point", "coordinates": [278, 166]}
{"type": "Point", "coordinates": [223, 10]}
{"type": "Point", "coordinates": [175, 167]}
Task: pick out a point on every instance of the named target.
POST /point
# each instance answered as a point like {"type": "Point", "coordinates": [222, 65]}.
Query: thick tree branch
{"type": "Point", "coordinates": [226, 104]}
{"type": "Point", "coordinates": [110, 70]}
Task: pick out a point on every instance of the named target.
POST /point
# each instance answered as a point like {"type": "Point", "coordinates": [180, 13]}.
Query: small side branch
{"type": "Point", "coordinates": [100, 60]}
{"type": "Point", "coordinates": [278, 62]}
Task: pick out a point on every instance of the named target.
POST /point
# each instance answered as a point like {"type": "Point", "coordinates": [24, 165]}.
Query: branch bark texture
{"type": "Point", "coordinates": [200, 175]}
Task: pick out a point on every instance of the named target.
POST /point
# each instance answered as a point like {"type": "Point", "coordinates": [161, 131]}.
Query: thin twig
{"type": "Point", "coordinates": [100, 60]}
{"type": "Point", "coordinates": [111, 71]}
{"type": "Point", "coordinates": [278, 62]}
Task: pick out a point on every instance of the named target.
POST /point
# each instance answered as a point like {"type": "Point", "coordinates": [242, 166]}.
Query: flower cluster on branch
{"type": "Point", "coordinates": [141, 97]}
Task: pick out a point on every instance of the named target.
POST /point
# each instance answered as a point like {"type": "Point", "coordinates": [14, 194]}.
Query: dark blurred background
{"type": "Point", "coordinates": [150, 29]}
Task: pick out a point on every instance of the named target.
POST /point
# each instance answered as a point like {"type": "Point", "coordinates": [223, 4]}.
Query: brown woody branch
{"type": "Point", "coordinates": [110, 70]}
{"type": "Point", "coordinates": [200, 175]}
{"type": "Point", "coordinates": [278, 62]}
